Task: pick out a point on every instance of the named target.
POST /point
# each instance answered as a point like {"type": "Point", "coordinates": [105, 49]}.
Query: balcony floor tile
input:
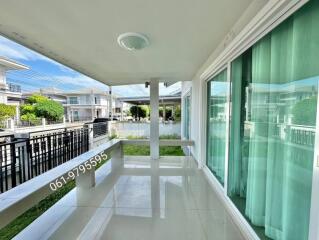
{"type": "Point", "coordinates": [141, 199]}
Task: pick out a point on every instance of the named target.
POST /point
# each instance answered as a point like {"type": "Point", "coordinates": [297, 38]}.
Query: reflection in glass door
{"type": "Point", "coordinates": [187, 111]}
{"type": "Point", "coordinates": [218, 91]}
{"type": "Point", "coordinates": [273, 122]}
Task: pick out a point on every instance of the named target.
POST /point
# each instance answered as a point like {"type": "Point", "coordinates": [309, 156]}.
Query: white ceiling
{"type": "Point", "coordinates": [83, 34]}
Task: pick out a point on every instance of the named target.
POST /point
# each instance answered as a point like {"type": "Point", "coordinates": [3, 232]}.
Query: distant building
{"type": "Point", "coordinates": [84, 104]}
{"type": "Point", "coordinates": [10, 93]}
{"type": "Point", "coordinates": [87, 104]}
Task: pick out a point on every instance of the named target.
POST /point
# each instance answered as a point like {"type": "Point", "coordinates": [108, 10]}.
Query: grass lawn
{"type": "Point", "coordinates": [30, 215]}
{"type": "Point", "coordinates": [136, 150]}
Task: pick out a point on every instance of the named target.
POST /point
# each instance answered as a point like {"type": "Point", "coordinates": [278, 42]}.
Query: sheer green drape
{"type": "Point", "coordinates": [238, 162]}
{"type": "Point", "coordinates": [218, 90]}
{"type": "Point", "coordinates": [278, 148]}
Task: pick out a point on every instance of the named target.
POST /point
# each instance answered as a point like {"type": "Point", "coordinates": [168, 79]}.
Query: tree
{"type": "Point", "coordinates": [36, 98]}
{"type": "Point", "coordinates": [138, 112]}
{"type": "Point", "coordinates": [304, 111]}
{"type": "Point", "coordinates": [27, 109]}
{"type": "Point", "coordinates": [178, 113]}
{"type": "Point", "coordinates": [49, 109]}
{"type": "Point", "coordinates": [39, 106]}
{"type": "Point", "coordinates": [7, 111]}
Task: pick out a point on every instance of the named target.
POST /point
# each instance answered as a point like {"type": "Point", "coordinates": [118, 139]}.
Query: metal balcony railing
{"type": "Point", "coordinates": [14, 88]}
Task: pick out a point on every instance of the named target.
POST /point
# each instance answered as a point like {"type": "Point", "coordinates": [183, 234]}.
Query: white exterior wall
{"type": "Point", "coordinates": [3, 96]}
{"type": "Point", "coordinates": [2, 76]}
{"type": "Point", "coordinates": [103, 100]}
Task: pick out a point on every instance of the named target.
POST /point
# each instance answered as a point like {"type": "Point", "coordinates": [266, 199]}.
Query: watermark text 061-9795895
{"type": "Point", "coordinates": [75, 172]}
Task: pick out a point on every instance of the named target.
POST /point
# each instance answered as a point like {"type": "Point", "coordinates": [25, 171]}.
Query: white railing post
{"type": "Point", "coordinates": [86, 180]}
{"type": "Point", "coordinates": [91, 136]}
{"type": "Point", "coordinates": [10, 124]}
{"type": "Point", "coordinates": [43, 122]}
{"type": "Point", "coordinates": [117, 157]}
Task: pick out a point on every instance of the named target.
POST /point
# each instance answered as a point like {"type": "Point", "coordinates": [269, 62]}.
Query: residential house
{"type": "Point", "coordinates": [10, 93]}
{"type": "Point", "coordinates": [86, 104]}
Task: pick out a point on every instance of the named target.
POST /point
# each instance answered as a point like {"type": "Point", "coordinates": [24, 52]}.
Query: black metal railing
{"type": "Point", "coordinates": [14, 87]}
{"type": "Point", "coordinates": [100, 129]}
{"type": "Point", "coordinates": [23, 159]}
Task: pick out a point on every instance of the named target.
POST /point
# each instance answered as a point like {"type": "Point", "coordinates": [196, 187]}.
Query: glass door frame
{"type": "Point", "coordinates": [314, 206]}
{"type": "Point", "coordinates": [188, 94]}
{"type": "Point", "coordinates": [225, 67]}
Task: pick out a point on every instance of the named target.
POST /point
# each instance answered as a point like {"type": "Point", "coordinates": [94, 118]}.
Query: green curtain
{"type": "Point", "coordinates": [218, 90]}
{"type": "Point", "coordinates": [284, 79]}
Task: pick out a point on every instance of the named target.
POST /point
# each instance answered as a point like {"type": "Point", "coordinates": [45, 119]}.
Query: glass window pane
{"type": "Point", "coordinates": [273, 118]}
{"type": "Point", "coordinates": [218, 91]}
{"type": "Point", "coordinates": [187, 110]}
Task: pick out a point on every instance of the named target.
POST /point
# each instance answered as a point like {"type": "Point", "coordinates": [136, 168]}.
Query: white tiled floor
{"type": "Point", "coordinates": [143, 199]}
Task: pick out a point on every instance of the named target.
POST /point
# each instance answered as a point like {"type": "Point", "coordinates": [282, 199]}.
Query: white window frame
{"type": "Point", "coordinates": [72, 97]}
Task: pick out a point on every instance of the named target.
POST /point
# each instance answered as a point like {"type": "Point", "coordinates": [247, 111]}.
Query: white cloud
{"type": "Point", "coordinates": [15, 51]}
{"type": "Point", "coordinates": [79, 81]}
{"type": "Point", "coordinates": [140, 90]}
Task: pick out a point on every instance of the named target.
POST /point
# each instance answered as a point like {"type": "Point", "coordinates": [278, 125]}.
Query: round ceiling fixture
{"type": "Point", "coordinates": [133, 41]}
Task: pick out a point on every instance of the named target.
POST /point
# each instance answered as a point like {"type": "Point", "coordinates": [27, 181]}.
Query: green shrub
{"type": "Point", "coordinates": [7, 111]}
{"type": "Point", "coordinates": [304, 111]}
{"type": "Point", "coordinates": [138, 112]}
{"type": "Point", "coordinates": [49, 109]}
{"type": "Point", "coordinates": [31, 117]}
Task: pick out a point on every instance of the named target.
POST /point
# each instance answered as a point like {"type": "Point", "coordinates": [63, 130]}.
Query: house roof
{"type": "Point", "coordinates": [11, 65]}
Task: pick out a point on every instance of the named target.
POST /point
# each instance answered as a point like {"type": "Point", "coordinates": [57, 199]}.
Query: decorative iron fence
{"type": "Point", "coordinates": [100, 129]}
{"type": "Point", "coordinates": [302, 135]}
{"type": "Point", "coordinates": [23, 159]}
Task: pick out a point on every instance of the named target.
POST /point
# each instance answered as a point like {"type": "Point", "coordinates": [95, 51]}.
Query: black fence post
{"type": "Point", "coordinates": [13, 165]}
{"type": "Point", "coordinates": [49, 152]}
{"type": "Point", "coordinates": [29, 159]}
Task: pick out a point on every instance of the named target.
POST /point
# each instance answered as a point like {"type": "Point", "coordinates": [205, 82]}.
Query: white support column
{"type": "Point", "coordinates": [173, 111]}
{"type": "Point", "coordinates": [121, 111]}
{"type": "Point", "coordinates": [91, 137]}
{"type": "Point", "coordinates": [110, 103]}
{"type": "Point", "coordinates": [154, 131]}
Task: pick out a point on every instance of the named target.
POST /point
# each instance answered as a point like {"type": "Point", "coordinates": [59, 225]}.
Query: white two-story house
{"type": "Point", "coordinates": [10, 93]}
{"type": "Point", "coordinates": [87, 104]}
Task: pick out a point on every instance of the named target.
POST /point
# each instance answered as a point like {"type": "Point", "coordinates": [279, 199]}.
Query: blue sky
{"type": "Point", "coordinates": [45, 72]}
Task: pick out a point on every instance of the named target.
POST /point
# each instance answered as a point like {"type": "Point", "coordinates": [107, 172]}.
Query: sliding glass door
{"type": "Point", "coordinates": [272, 129]}
{"type": "Point", "coordinates": [187, 113]}
{"type": "Point", "coordinates": [218, 92]}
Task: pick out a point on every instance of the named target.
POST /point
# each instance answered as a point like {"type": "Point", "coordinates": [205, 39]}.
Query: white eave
{"type": "Point", "coordinates": [8, 64]}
